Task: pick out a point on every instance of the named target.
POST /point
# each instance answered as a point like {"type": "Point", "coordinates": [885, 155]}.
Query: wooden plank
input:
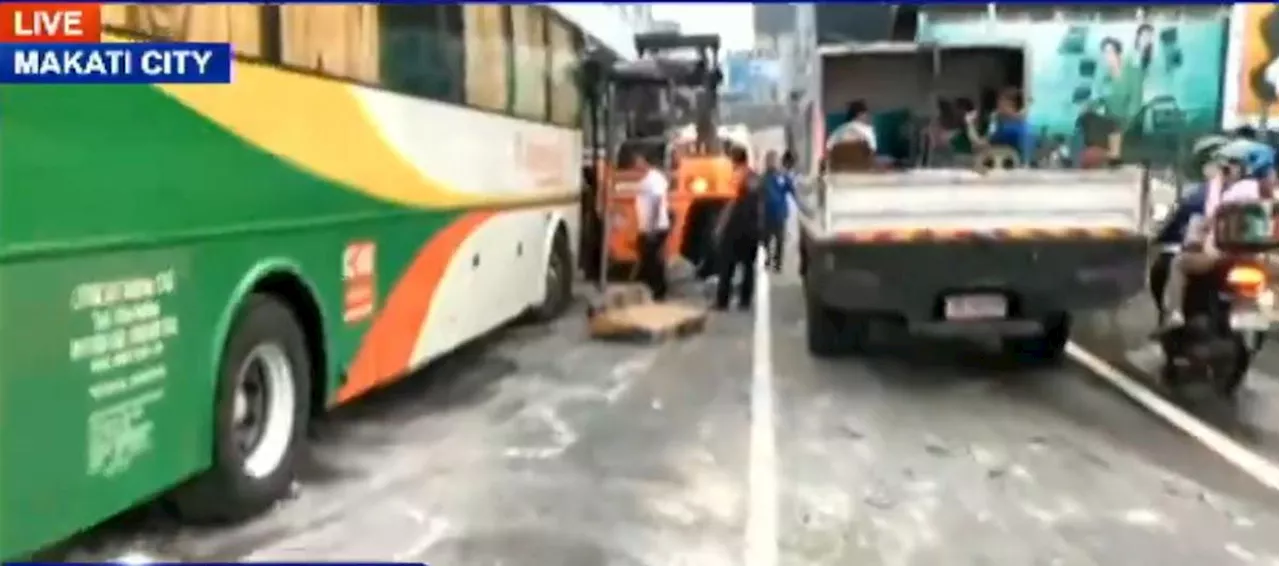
{"type": "Point", "coordinates": [648, 322]}
{"type": "Point", "coordinates": [619, 296]}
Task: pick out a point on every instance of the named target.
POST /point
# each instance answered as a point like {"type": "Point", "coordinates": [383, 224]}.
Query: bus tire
{"type": "Point", "coordinates": [260, 416]}
{"type": "Point", "coordinates": [559, 280]}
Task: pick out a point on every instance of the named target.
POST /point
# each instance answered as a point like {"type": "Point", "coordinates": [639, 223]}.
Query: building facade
{"type": "Point", "coordinates": [784, 82]}
{"type": "Point", "coordinates": [638, 16]}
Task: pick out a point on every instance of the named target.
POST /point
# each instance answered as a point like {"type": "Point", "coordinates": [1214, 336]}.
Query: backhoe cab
{"type": "Point", "coordinates": [650, 106]}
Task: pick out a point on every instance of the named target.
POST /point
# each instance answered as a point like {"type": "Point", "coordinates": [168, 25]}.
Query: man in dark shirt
{"type": "Point", "coordinates": [739, 234]}
{"type": "Point", "coordinates": [1093, 127]}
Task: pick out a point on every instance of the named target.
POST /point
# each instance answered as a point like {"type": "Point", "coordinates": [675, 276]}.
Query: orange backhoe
{"type": "Point", "coordinates": [664, 106]}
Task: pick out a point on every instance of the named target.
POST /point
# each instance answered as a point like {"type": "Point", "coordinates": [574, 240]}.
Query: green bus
{"type": "Point", "coordinates": [206, 267]}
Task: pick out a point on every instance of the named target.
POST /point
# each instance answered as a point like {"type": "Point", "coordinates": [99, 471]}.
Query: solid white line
{"type": "Point", "coordinates": [760, 546]}
{"type": "Point", "coordinates": [1247, 461]}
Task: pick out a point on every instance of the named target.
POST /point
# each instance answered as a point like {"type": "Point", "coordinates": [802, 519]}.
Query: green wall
{"type": "Point", "coordinates": [1069, 74]}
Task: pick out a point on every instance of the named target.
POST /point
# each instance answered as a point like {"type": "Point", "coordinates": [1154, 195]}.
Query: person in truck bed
{"type": "Point", "coordinates": [1095, 130]}
{"type": "Point", "coordinates": [858, 127]}
{"type": "Point", "coordinates": [1007, 126]}
{"type": "Point", "coordinates": [948, 142]}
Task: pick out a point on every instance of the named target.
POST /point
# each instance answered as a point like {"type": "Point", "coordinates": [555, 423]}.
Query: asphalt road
{"type": "Point", "coordinates": [943, 453]}
{"type": "Point", "coordinates": [542, 447]}
{"type": "Point", "coordinates": [1121, 337]}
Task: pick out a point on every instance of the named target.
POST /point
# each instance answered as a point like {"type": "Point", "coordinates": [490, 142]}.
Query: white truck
{"type": "Point", "coordinates": [1010, 252]}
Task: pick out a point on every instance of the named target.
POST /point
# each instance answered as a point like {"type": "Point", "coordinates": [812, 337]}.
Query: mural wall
{"type": "Point", "coordinates": [1125, 72]}
{"type": "Point", "coordinates": [1251, 67]}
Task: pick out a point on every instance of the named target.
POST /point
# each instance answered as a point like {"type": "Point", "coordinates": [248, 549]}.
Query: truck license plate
{"type": "Point", "coordinates": [969, 307]}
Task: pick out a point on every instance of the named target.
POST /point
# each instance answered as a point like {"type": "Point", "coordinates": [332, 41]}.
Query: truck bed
{"type": "Point", "coordinates": [960, 200]}
{"type": "Point", "coordinates": [1047, 241]}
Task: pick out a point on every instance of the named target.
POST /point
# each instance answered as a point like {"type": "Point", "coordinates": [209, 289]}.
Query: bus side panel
{"type": "Point", "coordinates": [105, 387]}
{"type": "Point", "coordinates": [194, 203]}
{"type": "Point", "coordinates": [92, 211]}
{"type": "Point", "coordinates": [109, 361]}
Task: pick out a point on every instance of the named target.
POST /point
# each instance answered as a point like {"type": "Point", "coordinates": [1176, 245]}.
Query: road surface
{"type": "Point", "coordinates": [540, 447]}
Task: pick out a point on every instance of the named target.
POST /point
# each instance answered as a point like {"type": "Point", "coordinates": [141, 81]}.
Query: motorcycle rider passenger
{"type": "Point", "coordinates": [1239, 171]}
{"type": "Point", "coordinates": [1171, 235]}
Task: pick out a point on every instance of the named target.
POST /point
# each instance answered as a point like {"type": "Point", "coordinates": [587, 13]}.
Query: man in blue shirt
{"type": "Point", "coordinates": [779, 188]}
{"type": "Point", "coordinates": [1007, 126]}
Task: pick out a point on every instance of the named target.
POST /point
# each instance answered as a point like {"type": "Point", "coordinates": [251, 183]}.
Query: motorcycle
{"type": "Point", "coordinates": [1229, 311]}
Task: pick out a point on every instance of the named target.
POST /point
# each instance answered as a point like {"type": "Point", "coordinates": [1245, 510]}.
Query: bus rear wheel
{"type": "Point", "coordinates": [260, 415]}
{"type": "Point", "coordinates": [559, 281]}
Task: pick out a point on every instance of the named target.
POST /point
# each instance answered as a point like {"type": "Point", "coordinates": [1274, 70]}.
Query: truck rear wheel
{"type": "Point", "coordinates": [831, 332]}
{"type": "Point", "coordinates": [262, 404]}
{"type": "Point", "coordinates": [1044, 348]}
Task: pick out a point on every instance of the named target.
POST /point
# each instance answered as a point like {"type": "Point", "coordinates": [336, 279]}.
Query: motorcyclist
{"type": "Point", "coordinates": [1238, 171]}
{"type": "Point", "coordinates": [1173, 232]}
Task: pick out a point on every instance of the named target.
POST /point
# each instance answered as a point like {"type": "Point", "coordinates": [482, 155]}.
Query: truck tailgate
{"type": "Point", "coordinates": [961, 200]}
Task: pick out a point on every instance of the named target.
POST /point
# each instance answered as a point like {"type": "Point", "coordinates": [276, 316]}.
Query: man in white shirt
{"type": "Point", "coordinates": [653, 215]}
{"type": "Point", "coordinates": [858, 127]}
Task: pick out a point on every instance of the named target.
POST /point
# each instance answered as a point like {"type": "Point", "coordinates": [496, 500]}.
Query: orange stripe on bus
{"type": "Point", "coordinates": [387, 347]}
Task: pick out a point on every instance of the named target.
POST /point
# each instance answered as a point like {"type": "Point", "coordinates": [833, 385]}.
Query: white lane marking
{"type": "Point", "coordinates": [434, 532]}
{"type": "Point", "coordinates": [761, 537]}
{"type": "Point", "coordinates": [1233, 452]}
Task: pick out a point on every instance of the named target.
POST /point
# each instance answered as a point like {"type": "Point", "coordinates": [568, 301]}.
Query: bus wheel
{"type": "Point", "coordinates": [559, 280]}
{"type": "Point", "coordinates": [260, 417]}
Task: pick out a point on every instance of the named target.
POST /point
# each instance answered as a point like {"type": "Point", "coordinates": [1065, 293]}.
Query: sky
{"type": "Point", "coordinates": [731, 21]}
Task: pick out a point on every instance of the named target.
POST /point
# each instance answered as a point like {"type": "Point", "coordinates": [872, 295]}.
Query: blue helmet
{"type": "Point", "coordinates": [1256, 158]}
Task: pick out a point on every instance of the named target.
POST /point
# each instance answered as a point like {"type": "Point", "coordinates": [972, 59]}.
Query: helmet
{"type": "Point", "coordinates": [1262, 161]}
{"type": "Point", "coordinates": [1209, 144]}
{"type": "Point", "coordinates": [1255, 158]}
{"type": "Point", "coordinates": [1206, 148]}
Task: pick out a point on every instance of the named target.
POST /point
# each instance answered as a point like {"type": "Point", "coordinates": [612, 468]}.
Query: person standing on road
{"type": "Point", "coordinates": [739, 231]}
{"type": "Point", "coordinates": [653, 216]}
{"type": "Point", "coordinates": [779, 188]}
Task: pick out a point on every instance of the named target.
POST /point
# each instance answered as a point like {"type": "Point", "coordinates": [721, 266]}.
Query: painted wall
{"type": "Point", "coordinates": [1070, 72]}
{"type": "Point", "coordinates": [1251, 67]}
